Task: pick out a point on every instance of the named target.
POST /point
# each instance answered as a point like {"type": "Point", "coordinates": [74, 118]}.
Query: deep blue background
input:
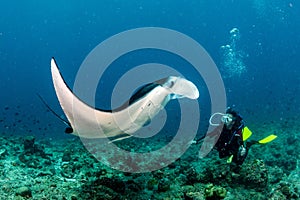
{"type": "Point", "coordinates": [32, 31]}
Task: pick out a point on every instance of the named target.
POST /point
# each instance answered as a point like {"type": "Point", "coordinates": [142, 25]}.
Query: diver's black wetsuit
{"type": "Point", "coordinates": [231, 141]}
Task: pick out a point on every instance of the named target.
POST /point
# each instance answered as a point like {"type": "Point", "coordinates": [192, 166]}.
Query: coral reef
{"type": "Point", "coordinates": [33, 155]}
{"type": "Point", "coordinates": [64, 169]}
{"type": "Point", "coordinates": [289, 188]}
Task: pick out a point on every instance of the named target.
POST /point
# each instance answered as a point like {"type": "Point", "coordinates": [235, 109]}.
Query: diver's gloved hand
{"type": "Point", "coordinates": [193, 142]}
{"type": "Point", "coordinates": [242, 151]}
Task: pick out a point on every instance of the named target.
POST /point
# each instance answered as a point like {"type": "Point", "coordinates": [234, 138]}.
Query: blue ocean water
{"type": "Point", "coordinates": [31, 32]}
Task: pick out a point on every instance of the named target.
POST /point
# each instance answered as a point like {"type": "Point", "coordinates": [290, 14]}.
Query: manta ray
{"type": "Point", "coordinates": [88, 122]}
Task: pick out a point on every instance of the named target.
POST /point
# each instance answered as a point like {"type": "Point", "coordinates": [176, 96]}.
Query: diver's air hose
{"type": "Point", "coordinates": [210, 119]}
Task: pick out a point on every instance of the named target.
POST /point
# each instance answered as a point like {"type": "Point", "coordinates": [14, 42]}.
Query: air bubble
{"type": "Point", "coordinates": [232, 56]}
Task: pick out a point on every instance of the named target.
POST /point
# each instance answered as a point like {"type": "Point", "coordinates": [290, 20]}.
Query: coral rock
{"type": "Point", "coordinates": [24, 192]}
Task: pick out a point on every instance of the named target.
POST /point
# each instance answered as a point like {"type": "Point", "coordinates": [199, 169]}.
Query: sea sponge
{"type": "Point", "coordinates": [194, 195]}
{"type": "Point", "coordinates": [152, 183]}
{"type": "Point", "coordinates": [220, 192]}
{"type": "Point", "coordinates": [212, 192]}
{"type": "Point", "coordinates": [164, 185]}
{"type": "Point", "coordinates": [254, 175]}
{"type": "Point", "coordinates": [286, 189]}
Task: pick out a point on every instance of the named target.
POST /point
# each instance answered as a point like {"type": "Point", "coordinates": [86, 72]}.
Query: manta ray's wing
{"type": "Point", "coordinates": [83, 118]}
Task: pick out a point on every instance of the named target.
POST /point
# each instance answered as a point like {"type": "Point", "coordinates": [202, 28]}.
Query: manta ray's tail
{"type": "Point", "coordinates": [68, 129]}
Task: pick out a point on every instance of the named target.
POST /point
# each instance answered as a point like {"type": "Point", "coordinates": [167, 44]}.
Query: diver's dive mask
{"type": "Point", "coordinates": [226, 119]}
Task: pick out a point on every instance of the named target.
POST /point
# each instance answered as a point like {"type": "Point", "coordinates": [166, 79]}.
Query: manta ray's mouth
{"type": "Point", "coordinates": [184, 88]}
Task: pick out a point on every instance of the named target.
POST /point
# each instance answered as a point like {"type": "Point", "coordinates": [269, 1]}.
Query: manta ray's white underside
{"type": "Point", "coordinates": [89, 122]}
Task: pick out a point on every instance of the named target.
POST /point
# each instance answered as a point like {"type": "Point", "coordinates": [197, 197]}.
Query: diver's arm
{"type": "Point", "coordinates": [216, 132]}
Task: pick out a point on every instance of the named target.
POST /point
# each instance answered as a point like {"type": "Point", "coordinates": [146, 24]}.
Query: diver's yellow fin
{"type": "Point", "coordinates": [229, 160]}
{"type": "Point", "coordinates": [267, 139]}
{"type": "Point", "coordinates": [246, 133]}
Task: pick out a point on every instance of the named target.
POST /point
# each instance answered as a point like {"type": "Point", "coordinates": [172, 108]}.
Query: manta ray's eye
{"type": "Point", "coordinates": [170, 83]}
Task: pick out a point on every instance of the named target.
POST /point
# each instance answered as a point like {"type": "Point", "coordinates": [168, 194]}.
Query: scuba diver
{"type": "Point", "coordinates": [233, 134]}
